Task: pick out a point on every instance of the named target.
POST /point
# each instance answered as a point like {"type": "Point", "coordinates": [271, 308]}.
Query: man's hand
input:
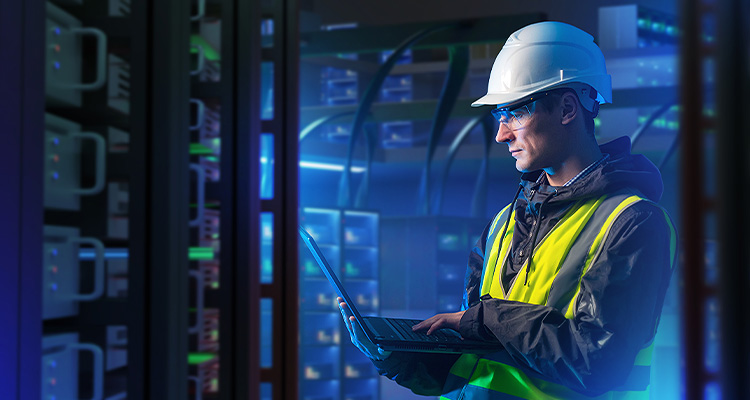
{"type": "Point", "coordinates": [440, 321]}
{"type": "Point", "coordinates": [357, 335]}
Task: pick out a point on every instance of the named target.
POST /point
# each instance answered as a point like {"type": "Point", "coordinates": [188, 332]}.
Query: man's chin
{"type": "Point", "coordinates": [522, 168]}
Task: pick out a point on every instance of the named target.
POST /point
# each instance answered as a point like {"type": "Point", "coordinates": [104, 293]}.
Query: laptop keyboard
{"type": "Point", "coordinates": [403, 326]}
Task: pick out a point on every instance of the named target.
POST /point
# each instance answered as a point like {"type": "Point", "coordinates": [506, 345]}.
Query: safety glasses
{"type": "Point", "coordinates": [517, 115]}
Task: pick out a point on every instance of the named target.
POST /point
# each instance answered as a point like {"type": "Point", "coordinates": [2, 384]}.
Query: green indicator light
{"type": "Point", "coordinates": [200, 358]}
{"type": "Point", "coordinates": [214, 285]}
{"type": "Point", "coordinates": [212, 158]}
{"type": "Point", "coordinates": [199, 149]}
{"type": "Point", "coordinates": [597, 123]}
{"type": "Point", "coordinates": [208, 51]}
{"type": "Point", "coordinates": [200, 253]}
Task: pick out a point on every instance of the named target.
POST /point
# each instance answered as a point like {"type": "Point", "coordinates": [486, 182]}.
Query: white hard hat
{"type": "Point", "coordinates": [548, 55]}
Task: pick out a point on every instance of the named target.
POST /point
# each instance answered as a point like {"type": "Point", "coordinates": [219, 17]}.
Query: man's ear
{"type": "Point", "coordinates": [569, 107]}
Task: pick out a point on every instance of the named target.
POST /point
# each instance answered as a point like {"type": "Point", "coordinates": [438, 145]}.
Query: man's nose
{"type": "Point", "coordinates": [504, 134]}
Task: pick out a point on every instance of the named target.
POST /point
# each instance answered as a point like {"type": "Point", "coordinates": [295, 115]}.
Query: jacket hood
{"type": "Point", "coordinates": [621, 171]}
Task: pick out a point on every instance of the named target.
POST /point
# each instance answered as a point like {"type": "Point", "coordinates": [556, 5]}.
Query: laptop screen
{"type": "Point", "coordinates": [332, 278]}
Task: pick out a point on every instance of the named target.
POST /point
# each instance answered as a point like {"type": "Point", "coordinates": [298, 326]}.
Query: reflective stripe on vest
{"type": "Point", "coordinates": [561, 259]}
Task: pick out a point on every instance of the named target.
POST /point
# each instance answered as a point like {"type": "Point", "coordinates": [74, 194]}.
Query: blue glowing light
{"type": "Point", "coordinates": [328, 167]}
{"type": "Point", "coordinates": [109, 254]}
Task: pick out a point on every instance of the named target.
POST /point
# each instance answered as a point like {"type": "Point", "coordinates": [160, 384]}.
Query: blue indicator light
{"type": "Point", "coordinates": [53, 364]}
{"type": "Point", "coordinates": [53, 287]}
{"type": "Point", "coordinates": [53, 252]}
{"type": "Point", "coordinates": [55, 175]}
{"type": "Point", "coordinates": [56, 141]}
{"type": "Point", "coordinates": [109, 254]}
{"type": "Point", "coordinates": [57, 65]}
{"type": "Point", "coordinates": [57, 30]}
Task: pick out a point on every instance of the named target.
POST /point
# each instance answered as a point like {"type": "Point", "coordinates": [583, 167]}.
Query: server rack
{"type": "Point", "coordinates": [330, 367]}
{"type": "Point", "coordinates": [133, 247]}
{"type": "Point", "coordinates": [397, 88]}
{"type": "Point", "coordinates": [713, 76]}
{"type": "Point", "coordinates": [95, 177]}
{"type": "Point", "coordinates": [339, 87]}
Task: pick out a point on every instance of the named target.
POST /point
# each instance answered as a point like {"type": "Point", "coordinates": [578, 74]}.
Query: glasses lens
{"type": "Point", "coordinates": [514, 118]}
{"type": "Point", "coordinates": [502, 116]}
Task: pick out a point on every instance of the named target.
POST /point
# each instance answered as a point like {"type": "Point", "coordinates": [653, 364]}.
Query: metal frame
{"type": "Point", "coordinates": [168, 186]}
{"type": "Point", "coordinates": [283, 375]}
{"type": "Point", "coordinates": [138, 358]}
{"type": "Point", "coordinates": [729, 204]}
{"type": "Point", "coordinates": [21, 161]}
{"type": "Point", "coordinates": [733, 129]}
{"type": "Point", "coordinates": [288, 249]}
{"type": "Point", "coordinates": [694, 204]}
{"type": "Point", "coordinates": [239, 333]}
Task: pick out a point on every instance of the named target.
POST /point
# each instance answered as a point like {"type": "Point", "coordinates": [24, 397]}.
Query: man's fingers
{"type": "Point", "coordinates": [356, 335]}
{"type": "Point", "coordinates": [345, 314]}
{"type": "Point", "coordinates": [352, 329]}
{"type": "Point", "coordinates": [435, 327]}
{"type": "Point", "coordinates": [431, 324]}
{"type": "Point", "coordinates": [346, 320]}
{"type": "Point", "coordinates": [424, 324]}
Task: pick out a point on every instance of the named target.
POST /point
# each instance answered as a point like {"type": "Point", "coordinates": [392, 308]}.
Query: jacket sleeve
{"type": "Point", "coordinates": [616, 312]}
{"type": "Point", "coordinates": [426, 373]}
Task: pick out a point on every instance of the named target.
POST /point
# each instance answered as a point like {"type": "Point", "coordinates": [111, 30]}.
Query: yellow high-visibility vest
{"type": "Point", "coordinates": [562, 257]}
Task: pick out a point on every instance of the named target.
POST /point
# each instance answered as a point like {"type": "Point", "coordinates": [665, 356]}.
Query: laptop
{"type": "Point", "coordinates": [395, 334]}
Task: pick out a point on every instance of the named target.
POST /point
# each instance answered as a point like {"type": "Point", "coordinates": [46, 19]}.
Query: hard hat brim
{"type": "Point", "coordinates": [492, 99]}
{"type": "Point", "coordinates": [504, 99]}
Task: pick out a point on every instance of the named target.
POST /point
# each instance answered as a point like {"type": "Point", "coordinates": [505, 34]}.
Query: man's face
{"type": "Point", "coordinates": [538, 144]}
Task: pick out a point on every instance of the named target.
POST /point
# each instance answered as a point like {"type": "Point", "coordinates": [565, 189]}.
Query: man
{"type": "Point", "coordinates": [570, 277]}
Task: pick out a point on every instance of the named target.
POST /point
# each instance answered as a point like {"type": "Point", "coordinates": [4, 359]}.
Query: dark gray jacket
{"type": "Point", "coordinates": [620, 300]}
